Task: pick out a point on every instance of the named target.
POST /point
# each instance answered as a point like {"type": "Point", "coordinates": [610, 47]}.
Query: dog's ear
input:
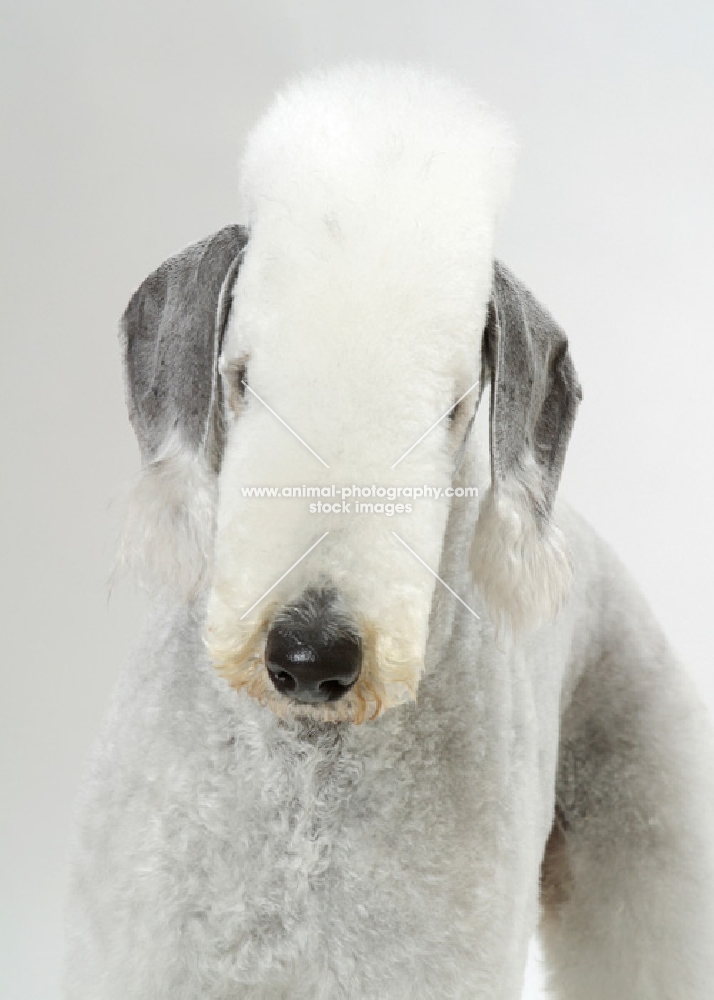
{"type": "Point", "coordinates": [171, 338]}
{"type": "Point", "coordinates": [520, 559]}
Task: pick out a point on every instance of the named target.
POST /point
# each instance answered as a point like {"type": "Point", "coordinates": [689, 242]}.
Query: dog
{"type": "Point", "coordinates": [397, 705]}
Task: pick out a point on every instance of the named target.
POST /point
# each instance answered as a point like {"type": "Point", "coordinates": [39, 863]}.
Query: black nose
{"type": "Point", "coordinates": [312, 659]}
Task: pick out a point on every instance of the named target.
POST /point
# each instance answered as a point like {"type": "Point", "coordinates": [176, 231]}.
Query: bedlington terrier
{"type": "Point", "coordinates": [395, 706]}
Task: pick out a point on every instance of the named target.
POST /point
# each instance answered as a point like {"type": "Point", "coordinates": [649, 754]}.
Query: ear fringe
{"type": "Point", "coordinates": [167, 541]}
{"type": "Point", "coordinates": [519, 558]}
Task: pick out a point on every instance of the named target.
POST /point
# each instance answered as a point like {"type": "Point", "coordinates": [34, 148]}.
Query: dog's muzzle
{"type": "Point", "coordinates": [313, 651]}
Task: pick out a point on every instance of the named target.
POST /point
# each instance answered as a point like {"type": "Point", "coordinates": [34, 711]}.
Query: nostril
{"type": "Point", "coordinates": [287, 681]}
{"type": "Point", "coordinates": [334, 689]}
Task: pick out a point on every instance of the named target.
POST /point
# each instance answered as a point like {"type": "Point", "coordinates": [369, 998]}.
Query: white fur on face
{"type": "Point", "coordinates": [371, 198]}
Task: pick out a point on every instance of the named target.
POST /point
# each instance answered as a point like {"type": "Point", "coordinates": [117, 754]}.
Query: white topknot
{"type": "Point", "coordinates": [432, 145]}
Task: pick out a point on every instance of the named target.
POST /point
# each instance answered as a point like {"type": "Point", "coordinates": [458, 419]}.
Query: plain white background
{"type": "Point", "coordinates": [122, 124]}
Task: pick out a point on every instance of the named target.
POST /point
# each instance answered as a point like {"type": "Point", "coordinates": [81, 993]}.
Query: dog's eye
{"type": "Point", "coordinates": [235, 380]}
{"type": "Point", "coordinates": [239, 378]}
{"type": "Point", "coordinates": [454, 412]}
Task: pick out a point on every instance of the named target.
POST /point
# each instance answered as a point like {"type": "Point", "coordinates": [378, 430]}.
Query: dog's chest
{"type": "Point", "coordinates": [287, 825]}
{"type": "Point", "coordinates": [300, 854]}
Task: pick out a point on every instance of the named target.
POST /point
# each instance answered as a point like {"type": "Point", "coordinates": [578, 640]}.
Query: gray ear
{"type": "Point", "coordinates": [170, 333]}
{"type": "Point", "coordinates": [171, 337]}
{"type": "Point", "coordinates": [519, 557]}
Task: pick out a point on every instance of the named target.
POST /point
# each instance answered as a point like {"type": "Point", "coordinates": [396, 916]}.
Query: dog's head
{"type": "Point", "coordinates": [332, 355]}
